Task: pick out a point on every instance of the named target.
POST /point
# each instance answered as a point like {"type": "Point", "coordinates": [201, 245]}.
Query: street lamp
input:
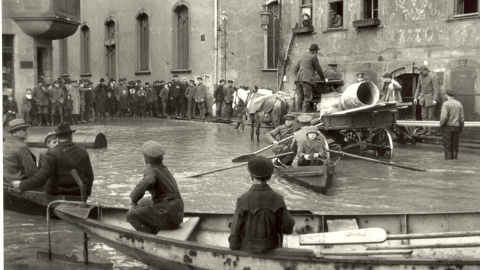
{"type": "Point", "coordinates": [265, 19]}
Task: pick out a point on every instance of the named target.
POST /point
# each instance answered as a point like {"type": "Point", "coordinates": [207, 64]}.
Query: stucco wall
{"type": "Point", "coordinates": [411, 34]}
{"type": "Point", "coordinates": [160, 13]}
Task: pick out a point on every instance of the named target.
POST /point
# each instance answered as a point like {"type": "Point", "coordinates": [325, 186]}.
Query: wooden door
{"type": "Point", "coordinates": [463, 84]}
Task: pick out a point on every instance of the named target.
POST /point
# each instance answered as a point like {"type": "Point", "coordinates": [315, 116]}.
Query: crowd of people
{"type": "Point", "coordinates": [81, 101]}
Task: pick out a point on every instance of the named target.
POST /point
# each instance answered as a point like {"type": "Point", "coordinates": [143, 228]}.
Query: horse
{"type": "Point", "coordinates": [263, 106]}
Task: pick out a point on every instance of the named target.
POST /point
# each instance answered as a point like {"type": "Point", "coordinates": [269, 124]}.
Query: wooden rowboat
{"type": "Point", "coordinates": [316, 178]}
{"type": "Point", "coordinates": [34, 202]}
{"type": "Point", "coordinates": [201, 241]}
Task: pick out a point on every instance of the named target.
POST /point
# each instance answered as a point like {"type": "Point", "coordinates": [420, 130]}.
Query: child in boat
{"type": "Point", "coordinates": [261, 215]}
{"type": "Point", "coordinates": [312, 151]}
{"type": "Point", "coordinates": [51, 140]}
{"type": "Point", "coordinates": [164, 209]}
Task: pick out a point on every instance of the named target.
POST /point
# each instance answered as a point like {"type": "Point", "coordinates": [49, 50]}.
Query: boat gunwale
{"type": "Point", "coordinates": [223, 250]}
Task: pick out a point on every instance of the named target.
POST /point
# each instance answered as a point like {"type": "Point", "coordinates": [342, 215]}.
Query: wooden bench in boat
{"type": "Point", "coordinates": [183, 231]}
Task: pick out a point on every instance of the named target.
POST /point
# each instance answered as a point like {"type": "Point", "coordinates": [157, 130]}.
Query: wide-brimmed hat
{"type": "Point", "coordinates": [314, 47]}
{"type": "Point", "coordinates": [50, 134]}
{"type": "Point", "coordinates": [64, 128]}
{"type": "Point", "coordinates": [289, 115]}
{"type": "Point", "coordinates": [304, 118]}
{"type": "Point", "coordinates": [260, 167]}
{"type": "Point", "coordinates": [17, 124]}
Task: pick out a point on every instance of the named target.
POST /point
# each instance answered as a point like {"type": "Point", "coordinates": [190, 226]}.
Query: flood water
{"type": "Point", "coordinates": [194, 147]}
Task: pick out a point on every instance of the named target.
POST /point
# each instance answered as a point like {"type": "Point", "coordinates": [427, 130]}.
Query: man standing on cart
{"type": "Point", "coordinates": [305, 77]}
{"type": "Point", "coordinates": [426, 96]}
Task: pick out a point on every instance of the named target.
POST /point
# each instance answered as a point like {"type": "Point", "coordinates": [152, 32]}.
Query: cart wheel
{"type": "Point", "coordinates": [350, 137]}
{"type": "Point", "coordinates": [384, 139]}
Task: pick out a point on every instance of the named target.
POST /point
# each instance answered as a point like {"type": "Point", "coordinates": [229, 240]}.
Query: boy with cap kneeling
{"type": "Point", "coordinates": [164, 209]}
{"type": "Point", "coordinates": [261, 215]}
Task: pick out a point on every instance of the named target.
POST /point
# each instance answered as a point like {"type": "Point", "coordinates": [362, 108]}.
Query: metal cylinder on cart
{"type": "Point", "coordinates": [356, 95]}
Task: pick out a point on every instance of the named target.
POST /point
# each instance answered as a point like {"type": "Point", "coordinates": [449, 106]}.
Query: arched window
{"type": "Point", "coordinates": [85, 50]}
{"type": "Point", "coordinates": [143, 42]}
{"type": "Point", "coordinates": [110, 47]}
{"type": "Point", "coordinates": [272, 37]}
{"type": "Point", "coordinates": [181, 37]}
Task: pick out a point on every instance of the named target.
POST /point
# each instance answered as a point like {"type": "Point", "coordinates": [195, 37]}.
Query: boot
{"type": "Point", "coordinates": [454, 154]}
{"type": "Point", "coordinates": [448, 155]}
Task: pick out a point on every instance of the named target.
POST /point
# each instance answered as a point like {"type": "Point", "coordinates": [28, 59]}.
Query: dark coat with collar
{"type": "Point", "coordinates": [59, 161]}
{"type": "Point", "coordinates": [18, 161]}
{"type": "Point", "coordinates": [306, 67]}
{"type": "Point", "coordinates": [260, 219]}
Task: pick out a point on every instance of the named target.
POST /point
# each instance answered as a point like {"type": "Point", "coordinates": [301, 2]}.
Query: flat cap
{"type": "Point", "coordinates": [450, 92]}
{"type": "Point", "coordinates": [304, 118]}
{"type": "Point", "coordinates": [260, 166]}
{"type": "Point", "coordinates": [423, 68]}
{"type": "Point", "coordinates": [152, 151]}
{"type": "Point", "coordinates": [289, 116]}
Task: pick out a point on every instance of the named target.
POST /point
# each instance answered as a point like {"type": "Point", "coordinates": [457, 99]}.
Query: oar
{"type": "Point", "coordinates": [235, 166]}
{"type": "Point", "coordinates": [377, 161]}
{"type": "Point", "coordinates": [361, 236]}
{"type": "Point", "coordinates": [245, 158]}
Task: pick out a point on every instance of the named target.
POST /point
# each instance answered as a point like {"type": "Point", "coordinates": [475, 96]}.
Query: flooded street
{"type": "Point", "coordinates": [194, 147]}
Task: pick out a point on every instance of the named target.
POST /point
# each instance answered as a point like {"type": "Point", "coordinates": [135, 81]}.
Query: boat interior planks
{"type": "Point", "coordinates": [207, 245]}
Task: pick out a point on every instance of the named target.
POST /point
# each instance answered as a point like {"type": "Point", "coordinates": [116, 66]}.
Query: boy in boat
{"type": "Point", "coordinates": [261, 215]}
{"type": "Point", "coordinates": [311, 151]}
{"type": "Point", "coordinates": [164, 209]}
{"type": "Point", "coordinates": [51, 140]}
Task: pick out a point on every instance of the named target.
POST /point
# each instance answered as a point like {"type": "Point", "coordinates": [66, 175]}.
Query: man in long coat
{"type": "Point", "coordinates": [40, 96]}
{"type": "Point", "coordinates": [228, 93]}
{"type": "Point", "coordinates": [201, 97]}
{"type": "Point", "coordinates": [101, 97]}
{"type": "Point", "coordinates": [427, 97]}
{"type": "Point", "coordinates": [75, 96]}
{"type": "Point", "coordinates": [305, 77]}
{"type": "Point", "coordinates": [218, 97]}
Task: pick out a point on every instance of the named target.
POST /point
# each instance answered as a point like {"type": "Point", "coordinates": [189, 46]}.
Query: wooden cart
{"type": "Point", "coordinates": [363, 128]}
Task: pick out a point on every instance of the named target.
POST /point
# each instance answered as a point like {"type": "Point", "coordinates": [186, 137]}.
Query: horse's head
{"type": "Point", "coordinates": [240, 96]}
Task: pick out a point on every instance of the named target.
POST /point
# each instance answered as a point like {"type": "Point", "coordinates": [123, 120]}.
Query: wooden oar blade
{"type": "Point", "coordinates": [361, 236]}
{"type": "Point", "coordinates": [243, 158]}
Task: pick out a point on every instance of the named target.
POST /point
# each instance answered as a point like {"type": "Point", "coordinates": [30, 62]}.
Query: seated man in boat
{"type": "Point", "coordinates": [279, 133]}
{"type": "Point", "coordinates": [261, 215]}
{"type": "Point", "coordinates": [311, 152]}
{"type": "Point", "coordinates": [18, 160]}
{"type": "Point", "coordinates": [164, 209]}
{"type": "Point", "coordinates": [59, 162]}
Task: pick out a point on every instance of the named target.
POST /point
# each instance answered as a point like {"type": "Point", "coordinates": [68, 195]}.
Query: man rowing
{"type": "Point", "coordinates": [279, 133]}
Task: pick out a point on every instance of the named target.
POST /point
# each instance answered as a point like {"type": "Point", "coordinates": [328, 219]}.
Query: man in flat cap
{"type": "Point", "coordinates": [201, 97]}
{"type": "Point", "coordinates": [176, 96]}
{"type": "Point", "coordinates": [261, 216]}
{"type": "Point", "coordinates": [164, 209]}
{"type": "Point", "coordinates": [334, 19]}
{"type": "Point", "coordinates": [427, 97]}
{"type": "Point", "coordinates": [18, 160]}
{"type": "Point", "coordinates": [305, 79]}
{"type": "Point", "coordinates": [282, 132]}
{"type": "Point", "coordinates": [59, 161]}
{"type": "Point", "coordinates": [218, 98]}
{"type": "Point", "coordinates": [228, 93]}
{"type": "Point", "coordinates": [452, 123]}
{"type": "Point", "coordinates": [101, 97]}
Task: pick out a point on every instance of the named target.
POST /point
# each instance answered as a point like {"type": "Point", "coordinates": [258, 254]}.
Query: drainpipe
{"type": "Point", "coordinates": [215, 33]}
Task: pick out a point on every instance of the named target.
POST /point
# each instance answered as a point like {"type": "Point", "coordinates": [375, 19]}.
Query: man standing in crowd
{"type": "Point", "coordinates": [40, 96]}
{"type": "Point", "coordinates": [218, 98]}
{"type": "Point", "coordinates": [305, 77]}
{"type": "Point", "coordinates": [190, 95]}
{"type": "Point", "coordinates": [59, 161]}
{"type": "Point", "coordinates": [426, 96]}
{"type": "Point", "coordinates": [175, 96]}
{"type": "Point", "coordinates": [18, 161]}
{"type": "Point", "coordinates": [452, 123]}
{"type": "Point", "coordinates": [279, 133]}
{"type": "Point", "coordinates": [183, 97]}
{"type": "Point", "coordinates": [101, 97]}
{"type": "Point", "coordinates": [57, 97]}
{"type": "Point", "coordinates": [228, 93]}
{"type": "Point", "coordinates": [201, 96]}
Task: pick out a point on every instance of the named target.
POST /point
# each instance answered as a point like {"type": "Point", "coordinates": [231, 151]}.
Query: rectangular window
{"type": "Point", "coordinates": [7, 65]}
{"type": "Point", "coordinates": [143, 42]}
{"type": "Point", "coordinates": [335, 14]}
{"type": "Point", "coordinates": [63, 56]}
{"type": "Point", "coordinates": [273, 34]}
{"type": "Point", "coordinates": [466, 7]}
{"type": "Point", "coordinates": [306, 13]}
{"type": "Point", "coordinates": [182, 38]}
{"type": "Point", "coordinates": [371, 9]}
{"type": "Point", "coordinates": [85, 50]}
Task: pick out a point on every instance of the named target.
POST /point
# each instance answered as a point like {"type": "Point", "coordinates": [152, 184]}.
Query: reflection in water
{"type": "Point", "coordinates": [192, 147]}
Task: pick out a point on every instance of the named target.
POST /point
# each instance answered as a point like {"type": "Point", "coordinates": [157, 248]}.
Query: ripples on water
{"type": "Point", "coordinates": [193, 147]}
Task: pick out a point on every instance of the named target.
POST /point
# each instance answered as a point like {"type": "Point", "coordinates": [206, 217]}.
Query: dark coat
{"type": "Point", "coordinates": [428, 90]}
{"type": "Point", "coordinates": [228, 93]}
{"type": "Point", "coordinates": [309, 147]}
{"type": "Point", "coordinates": [218, 93]}
{"type": "Point", "coordinates": [123, 102]}
{"type": "Point", "coordinates": [200, 93]}
{"type": "Point", "coordinates": [168, 204]}
{"type": "Point", "coordinates": [260, 219]}
{"type": "Point", "coordinates": [176, 90]}
{"type": "Point", "coordinates": [59, 161]}
{"type": "Point", "coordinates": [18, 161]}
{"type": "Point", "coordinates": [68, 104]}
{"type": "Point", "coordinates": [110, 104]}
{"type": "Point", "coordinates": [101, 94]}
{"type": "Point", "coordinates": [142, 101]}
{"type": "Point", "coordinates": [40, 95]}
{"type": "Point", "coordinates": [305, 69]}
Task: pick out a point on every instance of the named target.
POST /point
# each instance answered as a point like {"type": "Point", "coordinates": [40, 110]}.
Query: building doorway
{"type": "Point", "coordinates": [7, 65]}
{"type": "Point", "coordinates": [408, 81]}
